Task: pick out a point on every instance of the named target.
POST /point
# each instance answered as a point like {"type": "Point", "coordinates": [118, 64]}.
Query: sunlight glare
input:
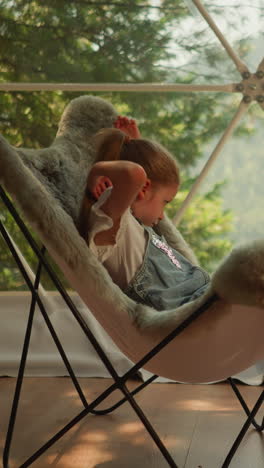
{"type": "Point", "coordinates": [131, 428]}
{"type": "Point", "coordinates": [203, 405]}
{"type": "Point", "coordinates": [95, 436]}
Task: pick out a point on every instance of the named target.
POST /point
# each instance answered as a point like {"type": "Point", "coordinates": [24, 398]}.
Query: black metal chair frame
{"type": "Point", "coordinates": [119, 381]}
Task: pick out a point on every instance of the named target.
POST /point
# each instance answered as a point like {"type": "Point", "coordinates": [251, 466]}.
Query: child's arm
{"type": "Point", "coordinates": [126, 178]}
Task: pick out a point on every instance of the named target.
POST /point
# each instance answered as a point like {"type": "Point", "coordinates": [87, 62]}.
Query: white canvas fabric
{"type": "Point", "coordinates": [43, 357]}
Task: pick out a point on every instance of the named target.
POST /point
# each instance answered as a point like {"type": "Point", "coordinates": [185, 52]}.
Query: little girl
{"type": "Point", "coordinates": [127, 190]}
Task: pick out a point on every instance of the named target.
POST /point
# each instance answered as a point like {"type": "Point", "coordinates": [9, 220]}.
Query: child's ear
{"type": "Point", "coordinates": [144, 190]}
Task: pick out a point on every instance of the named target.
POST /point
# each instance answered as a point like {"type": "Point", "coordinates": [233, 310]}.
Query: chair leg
{"type": "Point", "coordinates": [258, 427]}
{"type": "Point", "coordinates": [243, 431]}
{"type": "Point", "coordinates": [119, 381]}
{"type": "Point", "coordinates": [149, 427]}
{"type": "Point", "coordinates": [124, 400]}
{"type": "Point", "coordinates": [69, 426]}
{"type": "Point", "coordinates": [35, 299]}
{"type": "Point", "coordinates": [20, 376]}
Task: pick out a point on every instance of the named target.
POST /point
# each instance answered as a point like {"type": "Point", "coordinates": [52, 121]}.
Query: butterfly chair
{"type": "Point", "coordinates": [47, 186]}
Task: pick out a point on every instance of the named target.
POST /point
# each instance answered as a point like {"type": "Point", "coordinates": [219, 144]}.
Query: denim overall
{"type": "Point", "coordinates": [166, 278]}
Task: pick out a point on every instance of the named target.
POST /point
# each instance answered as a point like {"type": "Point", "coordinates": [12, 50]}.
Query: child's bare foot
{"type": "Point", "coordinates": [128, 126]}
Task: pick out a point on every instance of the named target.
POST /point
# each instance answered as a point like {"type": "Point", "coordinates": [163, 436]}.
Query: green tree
{"type": "Point", "coordinates": [118, 41]}
{"type": "Point", "coordinates": [96, 41]}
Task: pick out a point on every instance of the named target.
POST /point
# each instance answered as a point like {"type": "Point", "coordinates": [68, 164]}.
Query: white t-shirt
{"type": "Point", "coordinates": [125, 257]}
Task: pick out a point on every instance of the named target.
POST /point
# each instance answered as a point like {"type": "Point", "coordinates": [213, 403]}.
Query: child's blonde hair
{"type": "Point", "coordinates": [114, 145]}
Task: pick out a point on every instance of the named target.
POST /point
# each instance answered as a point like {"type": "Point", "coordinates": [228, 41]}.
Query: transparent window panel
{"type": "Point", "coordinates": [241, 22]}
{"type": "Point", "coordinates": [240, 167]}
{"type": "Point", "coordinates": [217, 26]}
{"type": "Point", "coordinates": [155, 41]}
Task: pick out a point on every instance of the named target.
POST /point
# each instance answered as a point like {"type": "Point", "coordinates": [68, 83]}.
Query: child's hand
{"type": "Point", "coordinates": [100, 185]}
{"type": "Point", "coordinates": [128, 126]}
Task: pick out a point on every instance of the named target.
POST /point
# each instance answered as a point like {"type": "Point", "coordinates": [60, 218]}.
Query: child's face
{"type": "Point", "coordinates": [150, 203]}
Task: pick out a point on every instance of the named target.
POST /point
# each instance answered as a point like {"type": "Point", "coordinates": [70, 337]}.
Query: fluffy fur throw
{"type": "Point", "coordinates": [48, 185]}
